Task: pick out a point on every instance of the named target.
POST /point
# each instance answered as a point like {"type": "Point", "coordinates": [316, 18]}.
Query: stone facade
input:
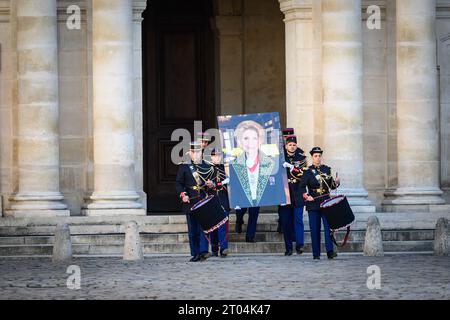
{"type": "Point", "coordinates": [341, 85]}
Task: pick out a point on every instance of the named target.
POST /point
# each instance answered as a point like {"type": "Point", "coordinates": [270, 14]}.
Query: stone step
{"type": "Point", "coordinates": [111, 224]}
{"type": "Point", "coordinates": [265, 224]}
{"type": "Point", "coordinates": [183, 248]}
{"type": "Point", "coordinates": [113, 239]}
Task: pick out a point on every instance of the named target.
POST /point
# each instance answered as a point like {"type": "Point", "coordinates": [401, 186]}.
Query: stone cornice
{"type": "Point", "coordinates": [64, 4]}
{"type": "Point", "coordinates": [366, 3]}
{"type": "Point", "coordinates": [296, 9]}
{"type": "Point", "coordinates": [5, 11]}
{"type": "Point", "coordinates": [443, 9]}
{"type": "Point", "coordinates": [302, 9]}
{"type": "Point", "coordinates": [138, 7]}
{"type": "Point", "coordinates": [445, 38]}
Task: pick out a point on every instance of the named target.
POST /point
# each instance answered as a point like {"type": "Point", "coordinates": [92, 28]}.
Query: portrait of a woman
{"type": "Point", "coordinates": [255, 170]}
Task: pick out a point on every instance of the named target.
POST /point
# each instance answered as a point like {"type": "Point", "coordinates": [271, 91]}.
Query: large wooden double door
{"type": "Point", "coordinates": [178, 88]}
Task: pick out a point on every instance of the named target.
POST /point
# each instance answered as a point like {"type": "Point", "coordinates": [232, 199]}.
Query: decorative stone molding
{"type": "Point", "coordinates": [366, 3]}
{"type": "Point", "coordinates": [5, 11]}
{"type": "Point", "coordinates": [62, 10]}
{"type": "Point", "coordinates": [296, 9]}
{"type": "Point", "coordinates": [443, 9]}
{"type": "Point", "coordinates": [138, 7]}
{"type": "Point", "coordinates": [445, 38]}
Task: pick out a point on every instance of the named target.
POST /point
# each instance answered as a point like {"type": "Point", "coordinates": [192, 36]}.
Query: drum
{"type": "Point", "coordinates": [338, 213]}
{"type": "Point", "coordinates": [209, 213]}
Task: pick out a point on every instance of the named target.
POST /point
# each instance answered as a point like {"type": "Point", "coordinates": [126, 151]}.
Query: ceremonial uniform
{"type": "Point", "coordinates": [219, 237]}
{"type": "Point", "coordinates": [285, 132]}
{"type": "Point", "coordinates": [317, 182]}
{"type": "Point", "coordinates": [291, 216]}
{"type": "Point", "coordinates": [189, 182]}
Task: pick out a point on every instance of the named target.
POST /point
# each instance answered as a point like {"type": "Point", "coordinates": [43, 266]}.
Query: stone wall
{"type": "Point", "coordinates": [264, 58]}
{"type": "Point", "coordinates": [8, 97]}
{"type": "Point", "coordinates": [443, 58]}
{"type": "Point", "coordinates": [256, 36]}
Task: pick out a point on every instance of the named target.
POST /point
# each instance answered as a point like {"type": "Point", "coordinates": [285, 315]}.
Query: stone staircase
{"type": "Point", "coordinates": [104, 236]}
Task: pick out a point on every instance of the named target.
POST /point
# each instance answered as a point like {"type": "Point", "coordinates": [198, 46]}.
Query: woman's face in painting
{"type": "Point", "coordinates": [250, 141]}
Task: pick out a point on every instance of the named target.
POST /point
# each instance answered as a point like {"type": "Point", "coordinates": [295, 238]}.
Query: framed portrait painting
{"type": "Point", "coordinates": [253, 158]}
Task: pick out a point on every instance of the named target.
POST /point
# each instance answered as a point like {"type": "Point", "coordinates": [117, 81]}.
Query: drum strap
{"type": "Point", "coordinates": [344, 241]}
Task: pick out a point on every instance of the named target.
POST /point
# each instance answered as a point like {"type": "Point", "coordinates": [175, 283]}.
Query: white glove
{"type": "Point", "coordinates": [288, 165]}
{"type": "Point", "coordinates": [226, 181]}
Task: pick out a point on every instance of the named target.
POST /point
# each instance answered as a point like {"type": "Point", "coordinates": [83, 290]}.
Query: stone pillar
{"type": "Point", "coordinates": [132, 249]}
{"type": "Point", "coordinates": [373, 240]}
{"type": "Point", "coordinates": [342, 97]}
{"type": "Point", "coordinates": [417, 109]}
{"type": "Point", "coordinates": [37, 136]}
{"type": "Point", "coordinates": [301, 74]}
{"type": "Point", "coordinates": [62, 246]}
{"type": "Point", "coordinates": [228, 27]}
{"type": "Point", "coordinates": [114, 141]}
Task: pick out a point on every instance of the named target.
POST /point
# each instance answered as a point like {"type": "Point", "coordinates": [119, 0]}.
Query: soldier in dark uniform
{"type": "Point", "coordinates": [204, 138]}
{"type": "Point", "coordinates": [219, 237]}
{"type": "Point", "coordinates": [191, 188]}
{"type": "Point", "coordinates": [315, 185]}
{"type": "Point", "coordinates": [291, 216]}
{"type": "Point", "coordinates": [285, 133]}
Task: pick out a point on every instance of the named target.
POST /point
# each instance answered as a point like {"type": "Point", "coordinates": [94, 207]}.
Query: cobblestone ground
{"type": "Point", "coordinates": [235, 277]}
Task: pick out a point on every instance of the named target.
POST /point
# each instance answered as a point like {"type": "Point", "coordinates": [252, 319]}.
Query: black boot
{"type": "Point", "coordinates": [196, 258]}
{"type": "Point", "coordinates": [299, 250]}
{"type": "Point", "coordinates": [331, 254]}
{"type": "Point", "coordinates": [288, 253]}
{"type": "Point", "coordinates": [238, 228]}
{"type": "Point", "coordinates": [251, 240]}
{"type": "Point", "coordinates": [224, 253]}
{"type": "Point", "coordinates": [316, 258]}
{"type": "Point", "coordinates": [204, 256]}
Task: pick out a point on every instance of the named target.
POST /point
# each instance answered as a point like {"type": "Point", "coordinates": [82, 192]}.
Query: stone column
{"type": "Point", "coordinates": [301, 71]}
{"type": "Point", "coordinates": [114, 141]}
{"type": "Point", "coordinates": [228, 27]}
{"type": "Point", "coordinates": [417, 109]}
{"type": "Point", "coordinates": [37, 136]}
{"type": "Point", "coordinates": [342, 97]}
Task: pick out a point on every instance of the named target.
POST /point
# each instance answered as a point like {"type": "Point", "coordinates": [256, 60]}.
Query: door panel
{"type": "Point", "coordinates": [178, 88]}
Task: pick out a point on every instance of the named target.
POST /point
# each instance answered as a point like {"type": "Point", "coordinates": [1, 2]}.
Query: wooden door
{"type": "Point", "coordinates": [178, 88]}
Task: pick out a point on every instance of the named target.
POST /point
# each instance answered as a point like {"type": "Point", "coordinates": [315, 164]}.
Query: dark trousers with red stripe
{"type": "Point", "coordinates": [219, 237]}
{"type": "Point", "coordinates": [198, 242]}
{"type": "Point", "coordinates": [292, 218]}
{"type": "Point", "coordinates": [315, 219]}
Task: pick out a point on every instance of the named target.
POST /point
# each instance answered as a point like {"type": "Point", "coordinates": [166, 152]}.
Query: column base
{"type": "Point", "coordinates": [45, 204]}
{"type": "Point", "coordinates": [36, 213]}
{"type": "Point", "coordinates": [357, 198]}
{"type": "Point", "coordinates": [414, 200]}
{"type": "Point", "coordinates": [113, 204]}
{"type": "Point", "coordinates": [113, 212]}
